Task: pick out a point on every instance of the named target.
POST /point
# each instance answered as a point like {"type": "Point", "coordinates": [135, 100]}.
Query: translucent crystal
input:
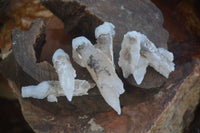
{"type": "Point", "coordinates": [65, 71]}
{"type": "Point", "coordinates": [137, 52]}
{"type": "Point", "coordinates": [52, 90]}
{"type": "Point", "coordinates": [104, 35]}
{"type": "Point", "coordinates": [101, 69]}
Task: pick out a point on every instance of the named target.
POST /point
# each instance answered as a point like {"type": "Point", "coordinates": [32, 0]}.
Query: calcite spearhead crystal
{"type": "Point", "coordinates": [101, 69]}
{"type": "Point", "coordinates": [65, 71]}
{"type": "Point", "coordinates": [137, 52]}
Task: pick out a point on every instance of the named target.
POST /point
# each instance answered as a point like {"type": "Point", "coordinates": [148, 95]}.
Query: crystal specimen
{"type": "Point", "coordinates": [137, 52]}
{"type": "Point", "coordinates": [52, 90]}
{"type": "Point", "coordinates": [101, 69]}
{"type": "Point", "coordinates": [66, 72]}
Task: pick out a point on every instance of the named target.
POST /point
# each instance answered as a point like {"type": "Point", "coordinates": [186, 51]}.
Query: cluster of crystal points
{"type": "Point", "coordinates": [137, 52]}
{"type": "Point", "coordinates": [98, 59]}
{"type": "Point", "coordinates": [66, 86]}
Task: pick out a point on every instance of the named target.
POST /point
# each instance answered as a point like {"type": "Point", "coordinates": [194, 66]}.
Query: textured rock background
{"type": "Point", "coordinates": [172, 105]}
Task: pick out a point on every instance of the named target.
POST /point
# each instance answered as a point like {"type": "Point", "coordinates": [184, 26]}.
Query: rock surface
{"type": "Point", "coordinates": [142, 110]}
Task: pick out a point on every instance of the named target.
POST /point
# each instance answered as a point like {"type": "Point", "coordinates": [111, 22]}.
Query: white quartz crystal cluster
{"type": "Point", "coordinates": [66, 86]}
{"type": "Point", "coordinates": [137, 53]}
{"type": "Point", "coordinates": [98, 59]}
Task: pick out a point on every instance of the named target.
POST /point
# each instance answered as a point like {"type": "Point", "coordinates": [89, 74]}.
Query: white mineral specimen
{"type": "Point", "coordinates": [104, 35]}
{"type": "Point", "coordinates": [137, 52]}
{"type": "Point", "coordinates": [52, 90]}
{"type": "Point", "coordinates": [66, 72]}
{"type": "Point", "coordinates": [101, 69]}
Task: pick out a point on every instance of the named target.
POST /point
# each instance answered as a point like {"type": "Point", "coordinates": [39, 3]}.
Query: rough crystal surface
{"type": "Point", "coordinates": [66, 72]}
{"type": "Point", "coordinates": [104, 35]}
{"type": "Point", "coordinates": [137, 52]}
{"type": "Point", "coordinates": [101, 69]}
{"type": "Point", "coordinates": [52, 90]}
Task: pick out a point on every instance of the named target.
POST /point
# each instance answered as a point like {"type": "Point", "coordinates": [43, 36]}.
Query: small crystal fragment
{"type": "Point", "coordinates": [52, 90]}
{"type": "Point", "coordinates": [40, 91]}
{"type": "Point", "coordinates": [82, 87]}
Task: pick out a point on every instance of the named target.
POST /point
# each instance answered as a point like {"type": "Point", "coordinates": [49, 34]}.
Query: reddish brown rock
{"type": "Point", "coordinates": [20, 14]}
{"type": "Point", "coordinates": [168, 110]}
{"type": "Point", "coordinates": [165, 109]}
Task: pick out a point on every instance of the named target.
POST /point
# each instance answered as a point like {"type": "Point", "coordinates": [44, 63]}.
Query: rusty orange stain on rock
{"type": "Point", "coordinates": [113, 123]}
{"type": "Point", "coordinates": [19, 14]}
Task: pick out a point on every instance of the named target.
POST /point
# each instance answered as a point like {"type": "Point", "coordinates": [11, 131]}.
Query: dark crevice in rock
{"type": "Point", "coordinates": [40, 41]}
{"type": "Point", "coordinates": [78, 21]}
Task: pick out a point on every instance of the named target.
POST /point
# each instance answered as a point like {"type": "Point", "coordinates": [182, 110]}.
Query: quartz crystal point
{"type": "Point", "coordinates": [101, 69]}
{"type": "Point", "coordinates": [137, 52]}
{"type": "Point", "coordinates": [104, 35]}
{"type": "Point", "coordinates": [52, 90]}
{"type": "Point", "coordinates": [66, 72]}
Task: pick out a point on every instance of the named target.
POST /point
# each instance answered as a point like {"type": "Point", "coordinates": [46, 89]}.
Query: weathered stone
{"type": "Point", "coordinates": [142, 110]}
